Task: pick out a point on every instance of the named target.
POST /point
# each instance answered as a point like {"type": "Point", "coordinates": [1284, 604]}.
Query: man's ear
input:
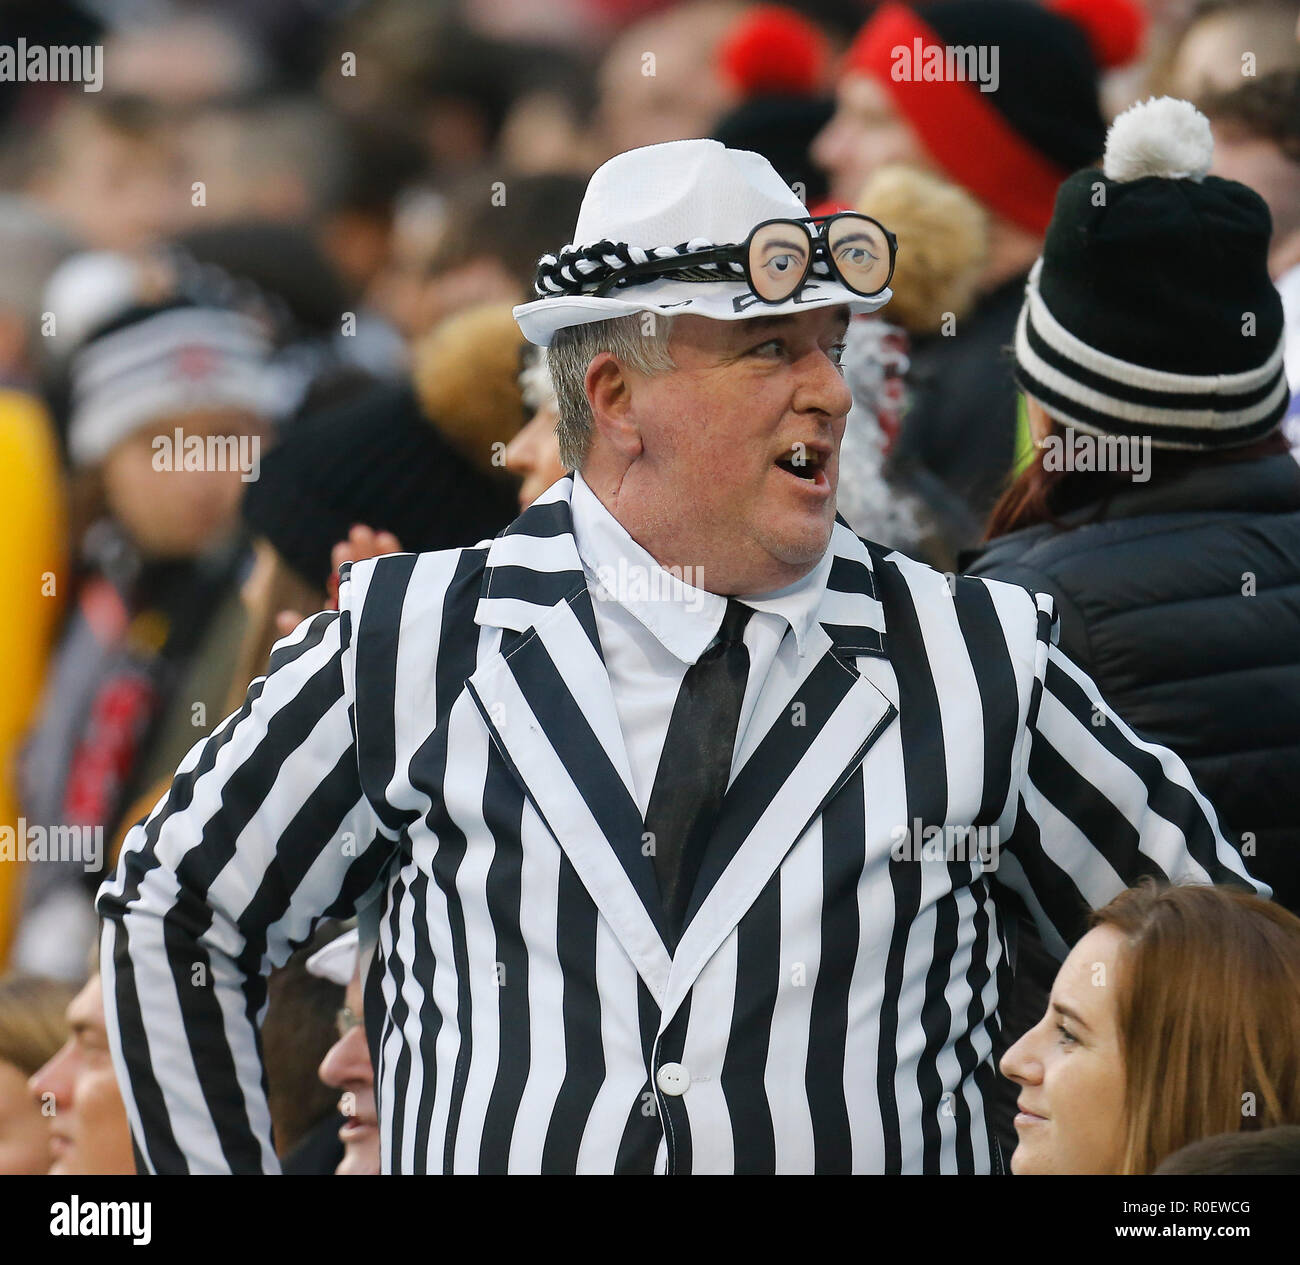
{"type": "Point", "coordinates": [609, 395]}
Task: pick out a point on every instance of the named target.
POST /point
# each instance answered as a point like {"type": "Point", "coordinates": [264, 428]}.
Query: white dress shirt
{"type": "Point", "coordinates": [653, 626]}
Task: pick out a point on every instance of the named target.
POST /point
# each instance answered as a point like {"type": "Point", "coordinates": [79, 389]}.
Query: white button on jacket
{"type": "Point", "coordinates": [673, 1079]}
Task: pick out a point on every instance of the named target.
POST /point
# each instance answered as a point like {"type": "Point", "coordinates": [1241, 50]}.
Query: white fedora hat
{"type": "Point", "coordinates": [664, 200]}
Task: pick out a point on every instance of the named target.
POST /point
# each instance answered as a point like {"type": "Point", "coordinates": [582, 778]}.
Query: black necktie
{"type": "Point", "coordinates": [695, 764]}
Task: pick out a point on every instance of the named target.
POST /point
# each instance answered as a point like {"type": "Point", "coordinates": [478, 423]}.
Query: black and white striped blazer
{"type": "Point", "coordinates": [447, 748]}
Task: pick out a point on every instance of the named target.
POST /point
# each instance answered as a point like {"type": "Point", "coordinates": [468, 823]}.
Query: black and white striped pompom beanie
{"type": "Point", "coordinates": [1151, 312]}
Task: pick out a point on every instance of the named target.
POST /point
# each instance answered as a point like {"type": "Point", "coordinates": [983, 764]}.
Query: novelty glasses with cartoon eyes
{"type": "Point", "coordinates": [778, 256]}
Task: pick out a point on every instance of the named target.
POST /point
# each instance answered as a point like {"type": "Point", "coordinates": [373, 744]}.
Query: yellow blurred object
{"type": "Point", "coordinates": [148, 631]}
{"type": "Point", "coordinates": [140, 808]}
{"type": "Point", "coordinates": [466, 375]}
{"type": "Point", "coordinates": [33, 522]}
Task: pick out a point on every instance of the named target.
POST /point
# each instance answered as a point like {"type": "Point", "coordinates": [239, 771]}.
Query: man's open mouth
{"type": "Point", "coordinates": [804, 462]}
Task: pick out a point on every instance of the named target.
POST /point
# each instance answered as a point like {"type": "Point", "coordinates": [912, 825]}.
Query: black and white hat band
{"type": "Point", "coordinates": [577, 269]}
{"type": "Point", "coordinates": [1101, 393]}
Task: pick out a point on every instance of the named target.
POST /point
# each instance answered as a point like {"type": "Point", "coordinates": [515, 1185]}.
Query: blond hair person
{"type": "Point", "coordinates": [32, 1028]}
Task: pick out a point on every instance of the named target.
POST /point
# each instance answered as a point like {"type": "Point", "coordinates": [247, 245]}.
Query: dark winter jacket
{"type": "Point", "coordinates": [958, 437]}
{"type": "Point", "coordinates": [1183, 604]}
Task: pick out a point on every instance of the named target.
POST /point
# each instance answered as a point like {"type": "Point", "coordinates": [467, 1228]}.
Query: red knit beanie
{"type": "Point", "coordinates": [1011, 146]}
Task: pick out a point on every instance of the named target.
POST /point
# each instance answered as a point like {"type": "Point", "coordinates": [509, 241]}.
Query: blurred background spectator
{"type": "Point", "coordinates": [78, 1090]}
{"type": "Point", "coordinates": [1009, 139]}
{"type": "Point", "coordinates": [534, 453]}
{"type": "Point", "coordinates": [1268, 1151]}
{"type": "Point", "coordinates": [479, 243]}
{"type": "Point", "coordinates": [1225, 42]}
{"type": "Point", "coordinates": [33, 1025]}
{"type": "Point", "coordinates": [1257, 141]}
{"type": "Point", "coordinates": [169, 407]}
{"type": "Point", "coordinates": [299, 1028]}
{"type": "Point", "coordinates": [347, 1064]}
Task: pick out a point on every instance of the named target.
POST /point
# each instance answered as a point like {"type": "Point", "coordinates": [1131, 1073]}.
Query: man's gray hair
{"type": "Point", "coordinates": [639, 341]}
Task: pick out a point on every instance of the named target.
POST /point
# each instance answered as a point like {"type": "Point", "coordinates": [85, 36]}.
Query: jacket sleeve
{"type": "Point", "coordinates": [1098, 807]}
{"type": "Point", "coordinates": [263, 832]}
{"type": "Point", "coordinates": [1072, 628]}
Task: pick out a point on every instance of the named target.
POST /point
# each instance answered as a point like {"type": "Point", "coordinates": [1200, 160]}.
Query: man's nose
{"type": "Point", "coordinates": [822, 388]}
{"type": "Point", "coordinates": [347, 1062]}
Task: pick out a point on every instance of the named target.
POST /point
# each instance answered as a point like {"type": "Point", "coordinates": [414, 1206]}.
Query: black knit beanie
{"type": "Point", "coordinates": [782, 129]}
{"type": "Point", "coordinates": [1151, 312]}
{"type": "Point", "coordinates": [375, 460]}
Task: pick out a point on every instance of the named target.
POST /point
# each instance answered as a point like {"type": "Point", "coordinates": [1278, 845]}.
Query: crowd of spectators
{"type": "Point", "coordinates": [255, 320]}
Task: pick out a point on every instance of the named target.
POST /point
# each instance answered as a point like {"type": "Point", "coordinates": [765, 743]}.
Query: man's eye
{"type": "Point", "coordinates": [836, 355]}
{"type": "Point", "coordinates": [773, 346]}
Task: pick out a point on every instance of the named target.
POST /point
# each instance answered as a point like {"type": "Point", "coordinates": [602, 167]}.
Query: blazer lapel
{"type": "Point", "coordinates": [814, 722]}
{"type": "Point", "coordinates": [546, 700]}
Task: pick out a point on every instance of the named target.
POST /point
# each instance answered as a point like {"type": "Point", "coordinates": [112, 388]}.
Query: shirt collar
{"type": "Point", "coordinates": [683, 618]}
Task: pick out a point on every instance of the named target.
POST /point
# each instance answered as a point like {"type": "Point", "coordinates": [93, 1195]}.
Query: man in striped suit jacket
{"type": "Point", "coordinates": [465, 752]}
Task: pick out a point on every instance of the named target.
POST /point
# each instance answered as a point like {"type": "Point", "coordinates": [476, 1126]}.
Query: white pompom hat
{"type": "Point", "coordinates": [1151, 313]}
{"type": "Point", "coordinates": [669, 199]}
